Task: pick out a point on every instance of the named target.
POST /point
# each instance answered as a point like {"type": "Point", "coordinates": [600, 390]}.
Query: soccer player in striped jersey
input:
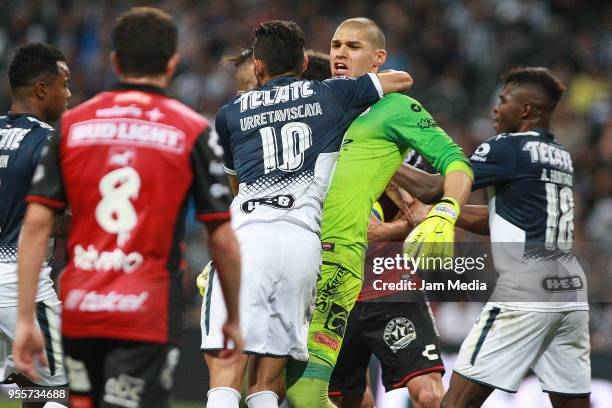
{"type": "Point", "coordinates": [280, 141]}
{"type": "Point", "coordinates": [39, 76]}
{"type": "Point", "coordinates": [537, 317]}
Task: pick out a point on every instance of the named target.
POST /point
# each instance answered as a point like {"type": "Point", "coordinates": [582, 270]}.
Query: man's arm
{"type": "Point", "coordinates": [234, 183]}
{"type": "Point", "coordinates": [475, 218]}
{"type": "Point", "coordinates": [457, 185]}
{"type": "Point", "coordinates": [424, 186]}
{"type": "Point", "coordinates": [379, 231]}
{"type": "Point", "coordinates": [35, 234]}
{"type": "Point", "coordinates": [224, 251]}
{"type": "Point", "coordinates": [395, 81]}
{"type": "Point", "coordinates": [212, 209]}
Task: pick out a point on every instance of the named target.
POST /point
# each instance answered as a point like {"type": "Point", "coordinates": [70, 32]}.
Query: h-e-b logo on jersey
{"type": "Point", "coordinates": [283, 201]}
{"type": "Point", "coordinates": [336, 319]}
{"type": "Point", "coordinates": [562, 284]}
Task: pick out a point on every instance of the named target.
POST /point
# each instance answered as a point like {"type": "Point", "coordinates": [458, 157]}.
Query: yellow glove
{"type": "Point", "coordinates": [204, 277]}
{"type": "Point", "coordinates": [435, 236]}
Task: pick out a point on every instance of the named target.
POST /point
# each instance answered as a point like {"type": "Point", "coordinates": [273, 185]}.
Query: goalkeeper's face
{"type": "Point", "coordinates": [352, 53]}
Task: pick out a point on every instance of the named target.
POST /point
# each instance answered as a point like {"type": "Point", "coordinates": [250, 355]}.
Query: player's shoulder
{"type": "Point", "coordinates": [402, 103]}
{"type": "Point", "coordinates": [42, 127]}
{"type": "Point", "coordinates": [512, 138]}
{"type": "Point", "coordinates": [85, 107]}
{"type": "Point", "coordinates": [185, 112]}
{"type": "Point", "coordinates": [222, 113]}
{"type": "Point", "coordinates": [339, 81]}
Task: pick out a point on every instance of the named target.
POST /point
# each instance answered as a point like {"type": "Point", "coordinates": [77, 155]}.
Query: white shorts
{"type": "Point", "coordinates": [48, 317]}
{"type": "Point", "coordinates": [505, 344]}
{"type": "Point", "coordinates": [280, 265]}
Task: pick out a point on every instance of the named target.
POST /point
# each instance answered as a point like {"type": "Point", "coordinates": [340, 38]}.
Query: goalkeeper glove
{"type": "Point", "coordinates": [435, 236]}
{"type": "Point", "coordinates": [204, 277]}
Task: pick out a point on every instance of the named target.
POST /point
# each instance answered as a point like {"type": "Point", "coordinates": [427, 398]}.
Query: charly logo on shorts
{"type": "Point", "coordinates": [283, 201]}
{"type": "Point", "coordinates": [124, 391]}
{"type": "Point", "coordinates": [399, 333]}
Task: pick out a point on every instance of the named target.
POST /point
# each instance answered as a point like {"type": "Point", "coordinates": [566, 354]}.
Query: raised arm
{"type": "Point", "coordinates": [395, 81]}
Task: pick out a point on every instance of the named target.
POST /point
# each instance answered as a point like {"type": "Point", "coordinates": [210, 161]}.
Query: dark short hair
{"type": "Point", "coordinates": [32, 61]}
{"type": "Point", "coordinates": [144, 39]}
{"type": "Point", "coordinates": [318, 66]}
{"type": "Point", "coordinates": [539, 77]}
{"type": "Point", "coordinates": [239, 58]}
{"type": "Point", "coordinates": [280, 45]}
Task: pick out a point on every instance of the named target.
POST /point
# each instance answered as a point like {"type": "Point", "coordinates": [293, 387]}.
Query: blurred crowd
{"type": "Point", "coordinates": [455, 50]}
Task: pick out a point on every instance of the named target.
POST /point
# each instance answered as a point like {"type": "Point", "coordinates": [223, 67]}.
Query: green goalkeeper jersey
{"type": "Point", "coordinates": [374, 146]}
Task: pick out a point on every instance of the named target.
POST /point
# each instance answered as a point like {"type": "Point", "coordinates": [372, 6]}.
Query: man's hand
{"type": "Point", "coordinates": [231, 332]}
{"type": "Point", "coordinates": [435, 236]}
{"type": "Point", "coordinates": [204, 277]}
{"type": "Point", "coordinates": [27, 348]}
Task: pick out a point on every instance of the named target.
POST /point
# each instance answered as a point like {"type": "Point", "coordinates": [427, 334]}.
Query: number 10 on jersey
{"type": "Point", "coordinates": [295, 138]}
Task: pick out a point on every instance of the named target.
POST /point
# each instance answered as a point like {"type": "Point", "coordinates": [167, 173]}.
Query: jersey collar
{"type": "Point", "coordinates": [544, 132]}
{"type": "Point", "coordinates": [124, 86]}
{"type": "Point", "coordinates": [17, 115]}
{"type": "Point", "coordinates": [281, 80]}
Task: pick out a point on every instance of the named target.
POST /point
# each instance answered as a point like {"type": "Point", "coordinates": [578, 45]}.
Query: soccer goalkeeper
{"type": "Point", "coordinates": [374, 147]}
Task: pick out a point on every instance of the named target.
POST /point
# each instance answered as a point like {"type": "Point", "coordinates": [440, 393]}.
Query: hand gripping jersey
{"type": "Point", "coordinates": [372, 150]}
{"type": "Point", "coordinates": [22, 138]}
{"type": "Point", "coordinates": [529, 180]}
{"type": "Point", "coordinates": [125, 163]}
{"type": "Point", "coordinates": [282, 141]}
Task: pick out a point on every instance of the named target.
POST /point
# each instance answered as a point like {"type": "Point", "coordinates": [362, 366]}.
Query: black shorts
{"type": "Point", "coordinates": [105, 373]}
{"type": "Point", "coordinates": [401, 335]}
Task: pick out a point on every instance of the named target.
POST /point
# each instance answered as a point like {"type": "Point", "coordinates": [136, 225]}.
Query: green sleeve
{"type": "Point", "coordinates": [411, 125]}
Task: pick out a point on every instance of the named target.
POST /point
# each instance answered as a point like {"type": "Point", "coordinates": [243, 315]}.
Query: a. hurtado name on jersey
{"type": "Point", "coordinates": [130, 131]}
{"type": "Point", "coordinates": [549, 154]}
{"type": "Point", "coordinates": [281, 115]}
{"type": "Point", "coordinates": [279, 94]}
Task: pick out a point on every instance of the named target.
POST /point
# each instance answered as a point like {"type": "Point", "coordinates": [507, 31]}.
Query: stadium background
{"type": "Point", "coordinates": [455, 50]}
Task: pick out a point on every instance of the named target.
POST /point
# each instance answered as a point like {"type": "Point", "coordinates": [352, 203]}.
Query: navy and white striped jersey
{"type": "Point", "coordinates": [529, 181]}
{"type": "Point", "coordinates": [282, 139]}
{"type": "Point", "coordinates": [22, 138]}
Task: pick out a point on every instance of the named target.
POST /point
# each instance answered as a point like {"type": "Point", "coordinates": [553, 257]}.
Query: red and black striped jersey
{"type": "Point", "coordinates": [125, 163]}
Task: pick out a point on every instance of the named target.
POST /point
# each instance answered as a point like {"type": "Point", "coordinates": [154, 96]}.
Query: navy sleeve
{"type": "Point", "coordinates": [39, 148]}
{"type": "Point", "coordinates": [353, 93]}
{"type": "Point", "coordinates": [224, 139]}
{"type": "Point", "coordinates": [47, 183]}
{"type": "Point", "coordinates": [493, 162]}
{"type": "Point", "coordinates": [211, 191]}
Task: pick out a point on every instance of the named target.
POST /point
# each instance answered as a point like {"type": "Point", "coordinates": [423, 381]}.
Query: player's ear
{"type": "Point", "coordinates": [526, 111]}
{"type": "Point", "coordinates": [304, 64]}
{"type": "Point", "coordinates": [172, 65]}
{"type": "Point", "coordinates": [40, 90]}
{"type": "Point", "coordinates": [381, 57]}
{"type": "Point", "coordinates": [115, 63]}
{"type": "Point", "coordinates": [260, 70]}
